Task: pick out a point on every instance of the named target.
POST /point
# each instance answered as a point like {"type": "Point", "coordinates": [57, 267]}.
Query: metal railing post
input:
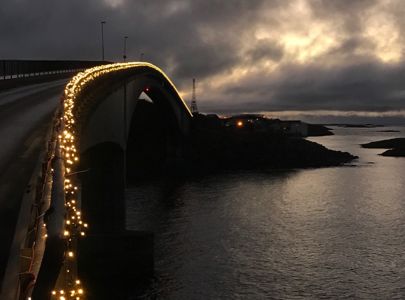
{"type": "Point", "coordinates": [14, 69]}
{"type": "Point", "coordinates": [4, 69]}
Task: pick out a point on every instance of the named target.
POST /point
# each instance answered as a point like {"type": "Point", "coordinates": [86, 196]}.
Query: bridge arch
{"type": "Point", "coordinates": [91, 138]}
{"type": "Point", "coordinates": [107, 97]}
{"type": "Point", "coordinates": [99, 109]}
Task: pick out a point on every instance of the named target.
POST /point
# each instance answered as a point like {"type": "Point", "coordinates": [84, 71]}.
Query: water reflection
{"type": "Point", "coordinates": [304, 234]}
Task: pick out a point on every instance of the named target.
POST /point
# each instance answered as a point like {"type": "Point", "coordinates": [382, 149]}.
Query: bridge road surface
{"type": "Point", "coordinates": [25, 116]}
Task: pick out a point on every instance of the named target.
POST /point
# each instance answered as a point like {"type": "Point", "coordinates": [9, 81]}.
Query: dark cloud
{"type": "Point", "coordinates": [314, 54]}
{"type": "Point", "coordinates": [348, 48]}
{"type": "Point", "coordinates": [366, 86]}
{"type": "Point", "coordinates": [347, 14]}
{"type": "Point", "coordinates": [264, 49]}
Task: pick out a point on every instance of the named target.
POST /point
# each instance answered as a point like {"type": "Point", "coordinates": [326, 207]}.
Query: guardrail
{"type": "Point", "coordinates": [11, 69]}
{"type": "Point", "coordinates": [38, 209]}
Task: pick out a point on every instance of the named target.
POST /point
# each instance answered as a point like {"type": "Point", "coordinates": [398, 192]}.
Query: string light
{"type": "Point", "coordinates": [75, 227]}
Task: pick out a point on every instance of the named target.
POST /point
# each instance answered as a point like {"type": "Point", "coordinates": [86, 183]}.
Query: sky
{"type": "Point", "coordinates": [314, 59]}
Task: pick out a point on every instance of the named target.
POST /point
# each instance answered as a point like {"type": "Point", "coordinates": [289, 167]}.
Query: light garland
{"type": "Point", "coordinates": [75, 227]}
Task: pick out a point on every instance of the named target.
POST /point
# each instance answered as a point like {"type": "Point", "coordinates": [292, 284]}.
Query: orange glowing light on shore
{"type": "Point", "coordinates": [239, 124]}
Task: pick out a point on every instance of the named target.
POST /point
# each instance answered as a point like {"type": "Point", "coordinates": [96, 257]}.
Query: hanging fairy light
{"type": "Point", "coordinates": [75, 226]}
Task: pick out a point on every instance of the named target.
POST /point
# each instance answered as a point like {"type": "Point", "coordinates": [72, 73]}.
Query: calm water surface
{"type": "Point", "coordinates": [327, 233]}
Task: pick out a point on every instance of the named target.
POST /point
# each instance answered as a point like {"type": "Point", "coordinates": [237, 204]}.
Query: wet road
{"type": "Point", "coordinates": [25, 116]}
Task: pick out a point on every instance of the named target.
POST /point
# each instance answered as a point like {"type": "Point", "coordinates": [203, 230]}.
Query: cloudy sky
{"type": "Point", "coordinates": [287, 57]}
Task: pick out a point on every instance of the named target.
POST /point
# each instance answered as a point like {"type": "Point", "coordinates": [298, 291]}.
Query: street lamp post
{"type": "Point", "coordinates": [125, 48]}
{"type": "Point", "coordinates": [102, 40]}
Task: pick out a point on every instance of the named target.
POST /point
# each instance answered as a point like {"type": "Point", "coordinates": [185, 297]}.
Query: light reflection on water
{"type": "Point", "coordinates": [299, 234]}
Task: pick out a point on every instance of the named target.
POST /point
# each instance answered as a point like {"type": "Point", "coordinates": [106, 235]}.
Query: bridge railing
{"type": "Point", "coordinates": [10, 69]}
{"type": "Point", "coordinates": [42, 202]}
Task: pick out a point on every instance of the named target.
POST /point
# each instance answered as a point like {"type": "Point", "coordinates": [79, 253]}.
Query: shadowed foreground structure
{"type": "Point", "coordinates": [98, 112]}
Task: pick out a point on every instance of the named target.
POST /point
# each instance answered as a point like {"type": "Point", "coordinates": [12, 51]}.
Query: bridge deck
{"type": "Point", "coordinates": [25, 115]}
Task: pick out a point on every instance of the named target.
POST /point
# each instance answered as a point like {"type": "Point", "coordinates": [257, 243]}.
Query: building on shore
{"type": "Point", "coordinates": [254, 122]}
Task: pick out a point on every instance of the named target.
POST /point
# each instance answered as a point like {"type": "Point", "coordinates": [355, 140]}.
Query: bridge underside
{"type": "Point", "coordinates": [113, 260]}
{"type": "Point", "coordinates": [116, 136]}
{"type": "Point", "coordinates": [149, 140]}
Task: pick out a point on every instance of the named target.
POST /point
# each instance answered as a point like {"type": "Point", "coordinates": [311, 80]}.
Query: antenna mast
{"type": "Point", "coordinates": [194, 108]}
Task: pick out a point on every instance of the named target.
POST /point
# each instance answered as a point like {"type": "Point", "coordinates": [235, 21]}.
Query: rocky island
{"type": "Point", "coordinates": [319, 130]}
{"type": "Point", "coordinates": [396, 147]}
{"type": "Point", "coordinates": [216, 144]}
{"type": "Point", "coordinates": [349, 125]}
{"type": "Point", "coordinates": [227, 150]}
{"type": "Point", "coordinates": [253, 142]}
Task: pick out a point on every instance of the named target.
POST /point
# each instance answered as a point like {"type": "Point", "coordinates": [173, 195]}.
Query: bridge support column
{"type": "Point", "coordinates": [103, 187]}
{"type": "Point", "coordinates": [116, 266]}
{"type": "Point", "coordinates": [111, 260]}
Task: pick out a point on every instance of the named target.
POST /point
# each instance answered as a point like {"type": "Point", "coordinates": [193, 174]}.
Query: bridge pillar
{"type": "Point", "coordinates": [103, 187]}
{"type": "Point", "coordinates": [111, 260]}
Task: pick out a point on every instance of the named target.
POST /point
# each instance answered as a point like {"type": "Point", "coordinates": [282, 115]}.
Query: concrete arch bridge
{"type": "Point", "coordinates": [91, 147]}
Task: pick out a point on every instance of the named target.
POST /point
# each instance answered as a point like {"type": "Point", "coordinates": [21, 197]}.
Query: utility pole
{"type": "Point", "coordinates": [102, 39]}
{"type": "Point", "coordinates": [194, 108]}
{"type": "Point", "coordinates": [125, 48]}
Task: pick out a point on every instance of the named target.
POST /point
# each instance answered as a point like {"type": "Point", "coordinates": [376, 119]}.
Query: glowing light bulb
{"type": "Point", "coordinates": [68, 138]}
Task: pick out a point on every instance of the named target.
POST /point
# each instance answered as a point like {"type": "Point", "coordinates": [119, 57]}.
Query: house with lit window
{"type": "Point", "coordinates": [257, 123]}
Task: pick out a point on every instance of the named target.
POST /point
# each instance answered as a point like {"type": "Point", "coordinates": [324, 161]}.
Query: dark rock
{"type": "Point", "coordinates": [386, 144]}
{"type": "Point", "coordinates": [225, 150]}
{"type": "Point", "coordinates": [395, 152]}
{"type": "Point", "coordinates": [213, 147]}
{"type": "Point", "coordinates": [396, 146]}
{"type": "Point", "coordinates": [357, 125]}
{"type": "Point", "coordinates": [319, 130]}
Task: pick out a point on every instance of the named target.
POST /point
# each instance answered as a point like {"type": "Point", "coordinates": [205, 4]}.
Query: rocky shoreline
{"type": "Point", "coordinates": [396, 147]}
{"type": "Point", "coordinates": [229, 150]}
{"type": "Point", "coordinates": [214, 146]}
{"type": "Point", "coordinates": [219, 147]}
